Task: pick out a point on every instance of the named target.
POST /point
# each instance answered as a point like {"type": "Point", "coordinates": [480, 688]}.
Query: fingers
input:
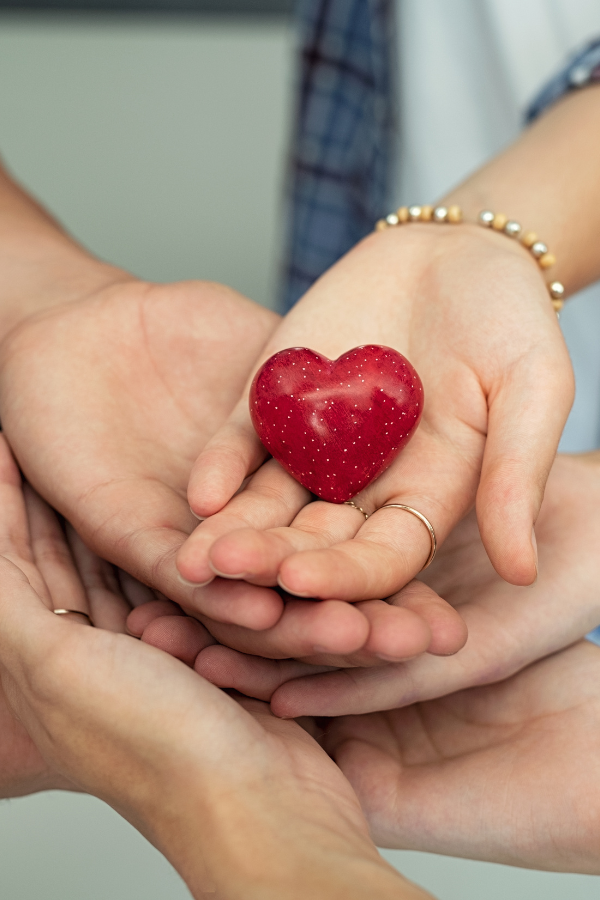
{"type": "Point", "coordinates": [253, 676]}
{"type": "Point", "coordinates": [14, 529]}
{"type": "Point", "coordinates": [434, 476]}
{"type": "Point", "coordinates": [258, 555]}
{"type": "Point", "coordinates": [448, 630]}
{"type": "Point", "coordinates": [26, 627]}
{"type": "Point", "coordinates": [162, 624]}
{"type": "Point", "coordinates": [107, 605]}
{"type": "Point", "coordinates": [304, 630]}
{"type": "Point", "coordinates": [133, 590]}
{"type": "Point", "coordinates": [491, 654]}
{"type": "Point", "coordinates": [272, 497]}
{"type": "Point", "coordinates": [182, 638]}
{"type": "Point", "coordinates": [52, 557]}
{"type": "Point", "coordinates": [227, 459]}
{"type": "Point", "coordinates": [140, 617]}
{"type": "Point", "coordinates": [415, 621]}
{"type": "Point", "coordinates": [526, 419]}
{"type": "Point", "coordinates": [237, 603]}
{"type": "Point", "coordinates": [138, 524]}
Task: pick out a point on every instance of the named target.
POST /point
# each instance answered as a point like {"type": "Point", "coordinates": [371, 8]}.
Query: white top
{"type": "Point", "coordinates": [468, 69]}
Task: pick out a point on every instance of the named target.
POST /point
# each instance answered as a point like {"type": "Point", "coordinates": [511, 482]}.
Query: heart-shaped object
{"type": "Point", "coordinates": [335, 425]}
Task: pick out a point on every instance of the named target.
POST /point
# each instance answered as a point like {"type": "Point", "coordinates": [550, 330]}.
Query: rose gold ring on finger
{"type": "Point", "coordinates": [73, 612]}
{"type": "Point", "coordinates": [426, 523]}
{"type": "Point", "coordinates": [353, 504]}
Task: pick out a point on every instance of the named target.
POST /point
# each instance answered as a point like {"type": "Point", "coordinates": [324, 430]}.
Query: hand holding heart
{"type": "Point", "coordinates": [470, 312]}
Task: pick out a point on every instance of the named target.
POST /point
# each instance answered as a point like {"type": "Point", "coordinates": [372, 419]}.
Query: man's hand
{"type": "Point", "coordinates": [506, 773]}
{"type": "Point", "coordinates": [32, 539]}
{"type": "Point", "coordinates": [111, 716]}
{"type": "Point", "coordinates": [107, 400]}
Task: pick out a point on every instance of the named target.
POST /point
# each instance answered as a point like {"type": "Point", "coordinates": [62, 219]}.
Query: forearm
{"type": "Point", "coordinates": [40, 265]}
{"type": "Point", "coordinates": [549, 181]}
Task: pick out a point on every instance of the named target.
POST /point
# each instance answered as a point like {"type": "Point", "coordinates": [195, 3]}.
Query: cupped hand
{"type": "Point", "coordinates": [505, 773]}
{"type": "Point", "coordinates": [106, 402]}
{"type": "Point", "coordinates": [104, 713]}
{"type": "Point", "coordinates": [470, 311]}
{"type": "Point", "coordinates": [509, 627]}
{"type": "Point", "coordinates": [32, 539]}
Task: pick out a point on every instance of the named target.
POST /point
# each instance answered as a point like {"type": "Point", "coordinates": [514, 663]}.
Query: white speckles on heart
{"type": "Point", "coordinates": [318, 403]}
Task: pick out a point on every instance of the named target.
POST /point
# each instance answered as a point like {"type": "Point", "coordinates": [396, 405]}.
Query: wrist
{"type": "Point", "coordinates": [255, 846]}
{"type": "Point", "coordinates": [53, 274]}
{"type": "Point", "coordinates": [546, 181]}
{"type": "Point", "coordinates": [41, 266]}
{"type": "Point", "coordinates": [426, 252]}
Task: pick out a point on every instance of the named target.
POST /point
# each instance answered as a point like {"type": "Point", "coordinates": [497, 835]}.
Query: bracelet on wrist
{"type": "Point", "coordinates": [497, 221]}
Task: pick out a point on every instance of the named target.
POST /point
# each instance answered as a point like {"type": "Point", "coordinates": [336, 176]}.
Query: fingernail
{"type": "Point", "coordinates": [194, 584]}
{"type": "Point", "coordinates": [238, 575]}
{"type": "Point", "coordinates": [196, 516]}
{"type": "Point", "coordinates": [285, 588]}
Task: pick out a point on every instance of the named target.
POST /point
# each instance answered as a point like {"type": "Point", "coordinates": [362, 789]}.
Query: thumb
{"type": "Point", "coordinates": [26, 624]}
{"type": "Point", "coordinates": [526, 420]}
{"type": "Point", "coordinates": [230, 456]}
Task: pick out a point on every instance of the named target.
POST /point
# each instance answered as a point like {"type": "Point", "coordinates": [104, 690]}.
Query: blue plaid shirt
{"type": "Point", "coordinates": [343, 143]}
{"type": "Point", "coordinates": [342, 163]}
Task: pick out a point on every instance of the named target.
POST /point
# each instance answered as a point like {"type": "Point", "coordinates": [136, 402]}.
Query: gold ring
{"type": "Point", "coordinates": [353, 504]}
{"type": "Point", "coordinates": [72, 612]}
{"type": "Point", "coordinates": [426, 523]}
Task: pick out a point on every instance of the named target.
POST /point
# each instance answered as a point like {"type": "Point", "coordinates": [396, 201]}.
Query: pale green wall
{"type": "Point", "coordinates": [161, 145]}
{"type": "Point", "coordinates": [159, 142]}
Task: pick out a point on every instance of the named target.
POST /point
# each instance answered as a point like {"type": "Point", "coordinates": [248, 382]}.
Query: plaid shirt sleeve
{"type": "Point", "coordinates": [343, 142]}
{"type": "Point", "coordinates": [582, 69]}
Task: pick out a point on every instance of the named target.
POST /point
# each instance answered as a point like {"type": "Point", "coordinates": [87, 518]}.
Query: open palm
{"type": "Point", "coordinates": [506, 772]}
{"type": "Point", "coordinates": [106, 401]}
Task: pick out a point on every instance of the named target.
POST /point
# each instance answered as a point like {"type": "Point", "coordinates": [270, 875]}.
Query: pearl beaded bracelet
{"type": "Point", "coordinates": [498, 221]}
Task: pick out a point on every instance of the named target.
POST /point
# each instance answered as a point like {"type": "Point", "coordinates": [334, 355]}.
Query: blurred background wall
{"type": "Point", "coordinates": [160, 143]}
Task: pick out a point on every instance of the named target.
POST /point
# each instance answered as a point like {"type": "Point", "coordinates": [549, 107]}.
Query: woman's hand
{"type": "Point", "coordinates": [470, 310]}
{"type": "Point", "coordinates": [505, 773]}
{"type": "Point", "coordinates": [243, 804]}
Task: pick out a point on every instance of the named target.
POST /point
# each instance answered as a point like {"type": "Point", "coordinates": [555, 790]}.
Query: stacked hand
{"type": "Point", "coordinates": [280, 820]}
{"type": "Point", "coordinates": [502, 772]}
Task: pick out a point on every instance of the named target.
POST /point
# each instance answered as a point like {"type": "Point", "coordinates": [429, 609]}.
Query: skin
{"type": "Point", "coordinates": [470, 309]}
{"type": "Point", "coordinates": [504, 773]}
{"type": "Point", "coordinates": [509, 627]}
{"type": "Point", "coordinates": [109, 387]}
{"type": "Point", "coordinates": [281, 821]}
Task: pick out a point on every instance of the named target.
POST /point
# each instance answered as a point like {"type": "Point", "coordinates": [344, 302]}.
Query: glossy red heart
{"type": "Point", "coordinates": [335, 425]}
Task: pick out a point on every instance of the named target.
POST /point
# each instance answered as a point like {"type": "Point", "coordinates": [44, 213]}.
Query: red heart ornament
{"type": "Point", "coordinates": [335, 425]}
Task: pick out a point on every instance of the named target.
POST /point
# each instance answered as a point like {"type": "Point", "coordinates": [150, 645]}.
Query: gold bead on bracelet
{"type": "Point", "coordinates": [498, 221]}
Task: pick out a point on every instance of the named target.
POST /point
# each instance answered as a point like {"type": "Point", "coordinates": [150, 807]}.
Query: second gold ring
{"type": "Point", "coordinates": [426, 523]}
